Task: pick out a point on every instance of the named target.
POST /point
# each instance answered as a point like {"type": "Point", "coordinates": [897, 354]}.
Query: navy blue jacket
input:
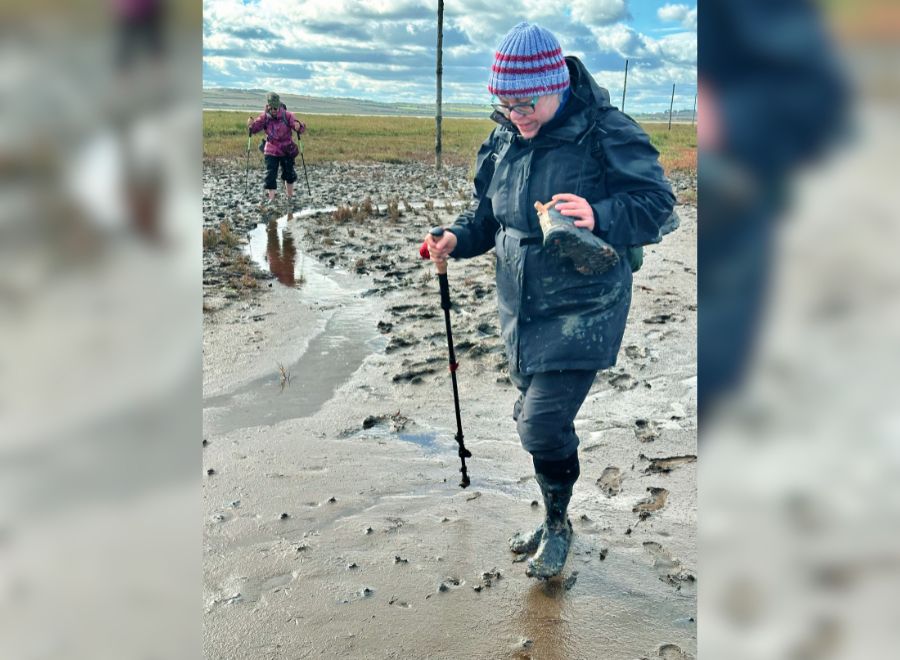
{"type": "Point", "coordinates": [551, 316]}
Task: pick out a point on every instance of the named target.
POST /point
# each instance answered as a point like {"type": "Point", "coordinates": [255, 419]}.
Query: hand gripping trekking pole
{"type": "Point", "coordinates": [464, 453]}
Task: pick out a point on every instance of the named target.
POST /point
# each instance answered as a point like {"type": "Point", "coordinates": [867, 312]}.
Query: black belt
{"type": "Point", "coordinates": [524, 238]}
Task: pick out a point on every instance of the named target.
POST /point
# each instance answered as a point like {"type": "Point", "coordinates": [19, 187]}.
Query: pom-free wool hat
{"type": "Point", "coordinates": [528, 62]}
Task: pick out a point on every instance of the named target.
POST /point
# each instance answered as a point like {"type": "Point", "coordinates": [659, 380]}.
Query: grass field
{"type": "Point", "coordinates": [402, 139]}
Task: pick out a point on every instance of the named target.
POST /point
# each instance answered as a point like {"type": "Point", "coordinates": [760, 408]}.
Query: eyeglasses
{"type": "Point", "coordinates": [521, 108]}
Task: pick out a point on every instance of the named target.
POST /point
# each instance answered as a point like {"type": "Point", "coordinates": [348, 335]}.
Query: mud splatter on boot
{"type": "Point", "coordinates": [526, 542]}
{"type": "Point", "coordinates": [588, 253]}
{"type": "Point", "coordinates": [557, 530]}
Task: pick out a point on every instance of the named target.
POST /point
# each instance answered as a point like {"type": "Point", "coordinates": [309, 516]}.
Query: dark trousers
{"type": "Point", "coordinates": [546, 409]}
{"type": "Point", "coordinates": [288, 174]}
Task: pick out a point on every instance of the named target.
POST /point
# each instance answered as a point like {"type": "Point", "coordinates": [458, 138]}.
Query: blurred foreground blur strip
{"type": "Point", "coordinates": [799, 470]}
{"type": "Point", "coordinates": [100, 318]}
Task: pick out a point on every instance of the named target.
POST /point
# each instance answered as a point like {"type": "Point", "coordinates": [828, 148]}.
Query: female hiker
{"type": "Point", "coordinates": [563, 302]}
{"type": "Point", "coordinates": [280, 150]}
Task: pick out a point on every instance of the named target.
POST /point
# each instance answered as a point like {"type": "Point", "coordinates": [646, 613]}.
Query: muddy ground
{"type": "Point", "coordinates": [334, 524]}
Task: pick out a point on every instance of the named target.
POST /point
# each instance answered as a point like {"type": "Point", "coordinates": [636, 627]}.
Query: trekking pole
{"type": "Point", "coordinates": [437, 233]}
{"type": "Point", "coordinates": [247, 176]}
{"type": "Point", "coordinates": [303, 160]}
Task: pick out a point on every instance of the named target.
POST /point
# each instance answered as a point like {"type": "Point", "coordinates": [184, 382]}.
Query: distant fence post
{"type": "Point", "coordinates": [440, 72]}
{"type": "Point", "coordinates": [671, 103]}
{"type": "Point", "coordinates": [625, 85]}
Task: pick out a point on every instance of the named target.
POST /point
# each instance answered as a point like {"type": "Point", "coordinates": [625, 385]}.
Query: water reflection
{"type": "Point", "coordinates": [542, 623]}
{"type": "Point", "coordinates": [281, 253]}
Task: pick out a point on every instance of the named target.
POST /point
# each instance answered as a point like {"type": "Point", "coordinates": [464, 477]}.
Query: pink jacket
{"type": "Point", "coordinates": [278, 133]}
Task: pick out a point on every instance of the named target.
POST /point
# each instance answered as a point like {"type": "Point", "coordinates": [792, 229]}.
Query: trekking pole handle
{"type": "Point", "coordinates": [437, 233]}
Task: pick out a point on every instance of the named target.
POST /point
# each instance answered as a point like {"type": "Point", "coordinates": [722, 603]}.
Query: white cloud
{"type": "Point", "coordinates": [351, 47]}
{"type": "Point", "coordinates": [680, 48]}
{"type": "Point", "coordinates": [624, 40]}
{"type": "Point", "coordinates": [679, 14]}
{"type": "Point", "coordinates": [672, 12]}
{"type": "Point", "coordinates": [599, 12]}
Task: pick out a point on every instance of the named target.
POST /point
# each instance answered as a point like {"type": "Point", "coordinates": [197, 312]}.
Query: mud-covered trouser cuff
{"type": "Point", "coordinates": [564, 472]}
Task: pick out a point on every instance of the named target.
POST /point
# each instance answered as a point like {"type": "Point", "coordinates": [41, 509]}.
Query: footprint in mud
{"type": "Point", "coordinates": [660, 319]}
{"type": "Point", "coordinates": [670, 569]}
{"type": "Point", "coordinates": [450, 583]}
{"type": "Point", "coordinates": [464, 346]}
{"type": "Point", "coordinates": [362, 594]}
{"type": "Point", "coordinates": [635, 352]}
{"type": "Point", "coordinates": [654, 502]}
{"type": "Point", "coordinates": [610, 482]}
{"type": "Point", "coordinates": [250, 590]}
{"type": "Point", "coordinates": [397, 342]}
{"type": "Point", "coordinates": [398, 422]}
{"type": "Point", "coordinates": [481, 349]}
{"type": "Point", "coordinates": [414, 373]}
{"type": "Point", "coordinates": [673, 652]}
{"type": "Point", "coordinates": [399, 603]}
{"type": "Point", "coordinates": [662, 558]}
{"type": "Point", "coordinates": [487, 329]}
{"type": "Point", "coordinates": [645, 430]}
{"type": "Point", "coordinates": [667, 464]}
{"type": "Point", "coordinates": [623, 382]}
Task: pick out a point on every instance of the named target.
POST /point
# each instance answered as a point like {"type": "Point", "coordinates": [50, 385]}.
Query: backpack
{"type": "Point", "coordinates": [635, 253]}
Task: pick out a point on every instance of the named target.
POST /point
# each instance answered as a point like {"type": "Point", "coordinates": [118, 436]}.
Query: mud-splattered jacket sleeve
{"type": "Point", "coordinates": [476, 227]}
{"type": "Point", "coordinates": [640, 199]}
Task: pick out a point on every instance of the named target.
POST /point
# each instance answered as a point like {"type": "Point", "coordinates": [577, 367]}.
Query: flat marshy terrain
{"type": "Point", "coordinates": [406, 139]}
{"type": "Point", "coordinates": [333, 523]}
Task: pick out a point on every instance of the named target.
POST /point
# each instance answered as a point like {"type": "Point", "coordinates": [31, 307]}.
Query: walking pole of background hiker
{"type": "Point", "coordinates": [441, 266]}
{"type": "Point", "coordinates": [247, 177]}
{"type": "Point", "coordinates": [303, 160]}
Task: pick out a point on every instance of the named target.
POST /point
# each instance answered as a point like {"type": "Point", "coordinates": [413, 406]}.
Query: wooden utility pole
{"type": "Point", "coordinates": [671, 103]}
{"type": "Point", "coordinates": [625, 86]}
{"type": "Point", "coordinates": [694, 113]}
{"type": "Point", "coordinates": [440, 73]}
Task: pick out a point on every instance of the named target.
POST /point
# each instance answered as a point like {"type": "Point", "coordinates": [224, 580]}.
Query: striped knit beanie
{"type": "Point", "coordinates": [528, 62]}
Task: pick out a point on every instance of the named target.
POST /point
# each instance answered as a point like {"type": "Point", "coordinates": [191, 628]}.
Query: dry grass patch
{"type": "Point", "coordinates": [214, 237]}
{"type": "Point", "coordinates": [332, 138]}
{"type": "Point", "coordinates": [342, 214]}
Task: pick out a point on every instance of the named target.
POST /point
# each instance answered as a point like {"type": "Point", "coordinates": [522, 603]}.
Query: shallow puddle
{"type": "Point", "coordinates": [348, 336]}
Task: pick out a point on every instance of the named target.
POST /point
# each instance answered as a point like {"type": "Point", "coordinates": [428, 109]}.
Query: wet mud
{"type": "Point", "coordinates": [333, 521]}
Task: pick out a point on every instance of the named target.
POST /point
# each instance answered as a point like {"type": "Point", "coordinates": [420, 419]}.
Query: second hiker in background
{"type": "Point", "coordinates": [279, 148]}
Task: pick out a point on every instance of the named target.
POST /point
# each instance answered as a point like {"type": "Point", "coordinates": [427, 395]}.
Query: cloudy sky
{"type": "Point", "coordinates": [385, 49]}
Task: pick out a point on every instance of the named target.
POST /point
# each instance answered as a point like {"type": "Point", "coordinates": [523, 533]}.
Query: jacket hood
{"type": "Point", "coordinates": [584, 86]}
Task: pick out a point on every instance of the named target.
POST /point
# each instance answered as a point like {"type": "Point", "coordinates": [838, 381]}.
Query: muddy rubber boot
{"type": "Point", "coordinates": [588, 253]}
{"type": "Point", "coordinates": [557, 530]}
{"type": "Point", "coordinates": [523, 543]}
